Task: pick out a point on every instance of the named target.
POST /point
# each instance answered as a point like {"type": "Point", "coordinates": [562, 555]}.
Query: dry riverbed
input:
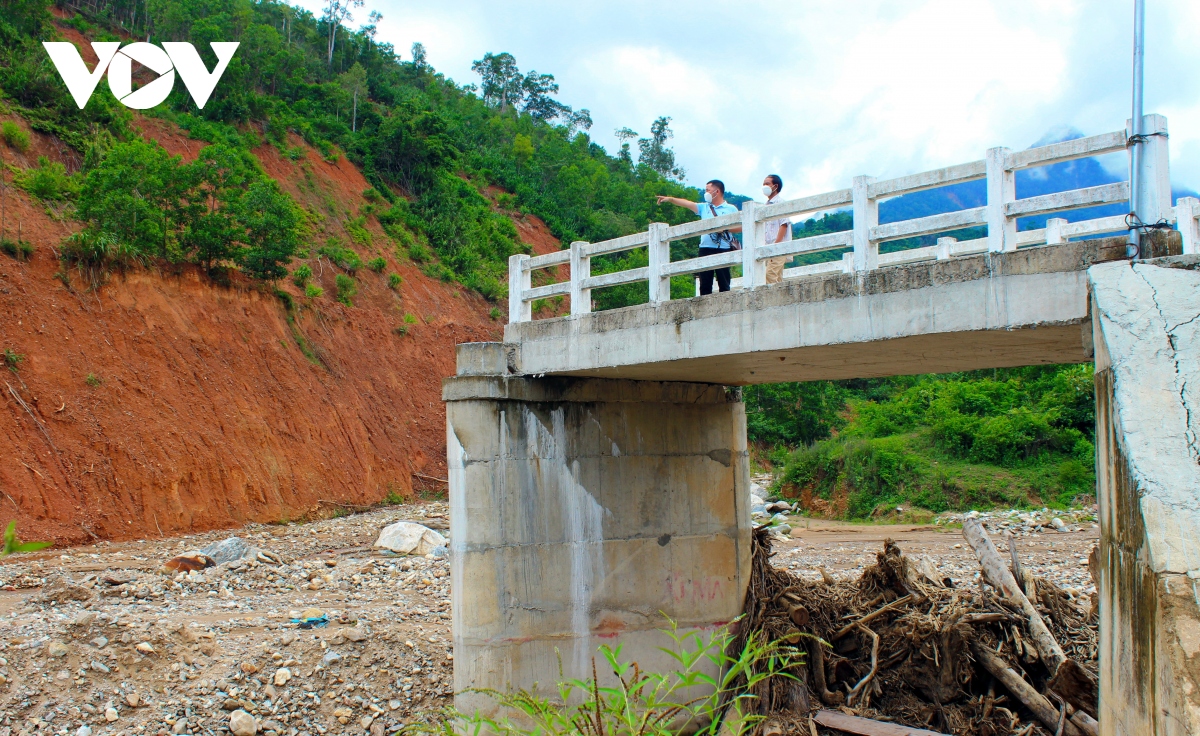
{"type": "Point", "coordinates": [98, 640]}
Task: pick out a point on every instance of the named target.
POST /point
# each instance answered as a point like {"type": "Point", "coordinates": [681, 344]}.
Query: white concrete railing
{"type": "Point", "coordinates": [999, 215]}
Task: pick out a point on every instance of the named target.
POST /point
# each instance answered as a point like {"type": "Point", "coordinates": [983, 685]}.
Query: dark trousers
{"type": "Point", "coordinates": [706, 277]}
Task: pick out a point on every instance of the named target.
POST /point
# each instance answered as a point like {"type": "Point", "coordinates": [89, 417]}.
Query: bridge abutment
{"type": "Point", "coordinates": [1146, 321]}
{"type": "Point", "coordinates": [585, 512]}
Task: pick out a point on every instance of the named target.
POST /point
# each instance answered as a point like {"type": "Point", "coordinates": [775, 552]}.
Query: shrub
{"type": "Point", "coordinates": [92, 380]}
{"type": "Point", "coordinates": [418, 252]}
{"type": "Point", "coordinates": [48, 181]}
{"type": "Point", "coordinates": [409, 318]}
{"type": "Point", "coordinates": [12, 359]}
{"type": "Point", "coordinates": [371, 194]}
{"type": "Point", "coordinates": [651, 703]}
{"type": "Point", "coordinates": [401, 330]}
{"type": "Point", "coordinates": [19, 249]}
{"type": "Point", "coordinates": [346, 289]}
{"type": "Point", "coordinates": [301, 275]}
{"type": "Point", "coordinates": [494, 313]}
{"type": "Point", "coordinates": [358, 230]}
{"type": "Point", "coordinates": [377, 264]}
{"type": "Point", "coordinates": [312, 291]}
{"type": "Point", "coordinates": [394, 281]}
{"type": "Point", "coordinates": [14, 136]}
{"type": "Point", "coordinates": [94, 250]}
{"type": "Point", "coordinates": [341, 256]}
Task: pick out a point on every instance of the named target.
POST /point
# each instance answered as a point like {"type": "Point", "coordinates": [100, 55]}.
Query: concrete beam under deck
{"type": "Point", "coordinates": [995, 310]}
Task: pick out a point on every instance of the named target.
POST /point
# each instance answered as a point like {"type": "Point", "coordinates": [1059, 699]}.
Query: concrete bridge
{"type": "Point", "coordinates": [598, 462]}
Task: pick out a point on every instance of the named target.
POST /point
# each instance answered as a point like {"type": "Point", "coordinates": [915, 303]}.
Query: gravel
{"type": "Point", "coordinates": [151, 651]}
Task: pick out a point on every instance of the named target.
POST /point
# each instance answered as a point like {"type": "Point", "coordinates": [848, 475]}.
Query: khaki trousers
{"type": "Point", "coordinates": [775, 269]}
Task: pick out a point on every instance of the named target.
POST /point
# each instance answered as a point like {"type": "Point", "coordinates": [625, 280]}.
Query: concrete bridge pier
{"type": "Point", "coordinates": [1146, 322]}
{"type": "Point", "coordinates": [583, 511]}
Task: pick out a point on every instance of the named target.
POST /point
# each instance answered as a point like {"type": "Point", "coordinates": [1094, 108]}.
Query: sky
{"type": "Point", "coordinates": [821, 91]}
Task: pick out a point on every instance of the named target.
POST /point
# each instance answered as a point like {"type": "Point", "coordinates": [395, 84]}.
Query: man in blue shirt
{"type": "Point", "coordinates": [714, 205]}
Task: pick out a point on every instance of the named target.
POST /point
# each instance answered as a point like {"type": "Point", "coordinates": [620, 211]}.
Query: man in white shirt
{"type": "Point", "coordinates": [714, 205]}
{"type": "Point", "coordinates": [775, 231]}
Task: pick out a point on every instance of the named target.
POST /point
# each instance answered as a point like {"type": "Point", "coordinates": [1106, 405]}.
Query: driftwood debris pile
{"type": "Point", "coordinates": [904, 648]}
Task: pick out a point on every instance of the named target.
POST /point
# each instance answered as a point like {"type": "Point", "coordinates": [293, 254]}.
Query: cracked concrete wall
{"type": "Point", "coordinates": [583, 511]}
{"type": "Point", "coordinates": [1146, 322]}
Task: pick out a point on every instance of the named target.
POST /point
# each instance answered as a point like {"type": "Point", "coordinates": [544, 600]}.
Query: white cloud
{"type": "Point", "coordinates": [820, 91]}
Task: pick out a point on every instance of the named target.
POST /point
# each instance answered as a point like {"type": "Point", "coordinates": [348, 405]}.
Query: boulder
{"type": "Point", "coordinates": [410, 538]}
{"type": "Point", "coordinates": [242, 723]}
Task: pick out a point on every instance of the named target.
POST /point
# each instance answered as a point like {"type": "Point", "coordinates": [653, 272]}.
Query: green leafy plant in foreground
{"type": "Point", "coordinates": [12, 544]}
{"type": "Point", "coordinates": [642, 703]}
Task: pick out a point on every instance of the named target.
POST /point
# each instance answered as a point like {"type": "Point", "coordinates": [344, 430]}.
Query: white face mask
{"type": "Point", "coordinates": [767, 190]}
{"type": "Point", "coordinates": [708, 196]}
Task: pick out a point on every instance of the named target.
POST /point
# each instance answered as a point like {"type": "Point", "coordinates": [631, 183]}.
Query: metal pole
{"type": "Point", "coordinates": [1135, 150]}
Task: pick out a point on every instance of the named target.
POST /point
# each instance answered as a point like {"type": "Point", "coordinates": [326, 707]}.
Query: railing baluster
{"type": "Point", "coordinates": [581, 268]}
{"type": "Point", "coordinates": [519, 281]}
{"type": "Point", "coordinates": [943, 248]}
{"type": "Point", "coordinates": [659, 250]}
{"type": "Point", "coordinates": [754, 271]}
{"type": "Point", "coordinates": [1186, 211]}
{"type": "Point", "coordinates": [1054, 231]}
{"type": "Point", "coordinates": [866, 216]}
{"type": "Point", "coordinates": [1001, 189]}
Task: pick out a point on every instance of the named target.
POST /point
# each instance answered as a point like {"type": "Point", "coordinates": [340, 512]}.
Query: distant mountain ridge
{"type": "Point", "coordinates": [1077, 174]}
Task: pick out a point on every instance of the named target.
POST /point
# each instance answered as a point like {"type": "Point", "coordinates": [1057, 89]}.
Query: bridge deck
{"type": "Point", "coordinates": [994, 310]}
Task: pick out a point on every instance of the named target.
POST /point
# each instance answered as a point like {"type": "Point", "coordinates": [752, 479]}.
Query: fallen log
{"type": "Point", "coordinates": [867, 726]}
{"type": "Point", "coordinates": [1000, 576]}
{"type": "Point", "coordinates": [1037, 703]}
{"type": "Point", "coordinates": [1076, 686]}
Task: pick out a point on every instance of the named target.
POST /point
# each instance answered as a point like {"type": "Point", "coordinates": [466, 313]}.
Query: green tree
{"type": "Point", "coordinates": [353, 82]}
{"type": "Point", "coordinates": [537, 90]}
{"type": "Point", "coordinates": [138, 193]}
{"type": "Point", "coordinates": [654, 152]}
{"type": "Point", "coordinates": [271, 230]}
{"type": "Point", "coordinates": [794, 414]}
{"type": "Point", "coordinates": [503, 84]}
{"type": "Point", "coordinates": [334, 14]}
{"type": "Point", "coordinates": [522, 148]}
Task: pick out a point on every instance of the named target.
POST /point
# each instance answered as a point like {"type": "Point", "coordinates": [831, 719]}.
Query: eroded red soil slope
{"type": "Point", "coordinates": [162, 402]}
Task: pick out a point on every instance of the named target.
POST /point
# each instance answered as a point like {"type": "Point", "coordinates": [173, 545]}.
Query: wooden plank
{"type": "Point", "coordinates": [928, 179]}
{"type": "Point", "coordinates": [816, 243]}
{"type": "Point", "coordinates": [930, 225]}
{"type": "Point", "coordinates": [867, 726]}
{"type": "Point", "coordinates": [617, 277]}
{"type": "Point", "coordinates": [1071, 200]}
{"type": "Point", "coordinates": [703, 263]}
{"type": "Point", "coordinates": [1079, 148]}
